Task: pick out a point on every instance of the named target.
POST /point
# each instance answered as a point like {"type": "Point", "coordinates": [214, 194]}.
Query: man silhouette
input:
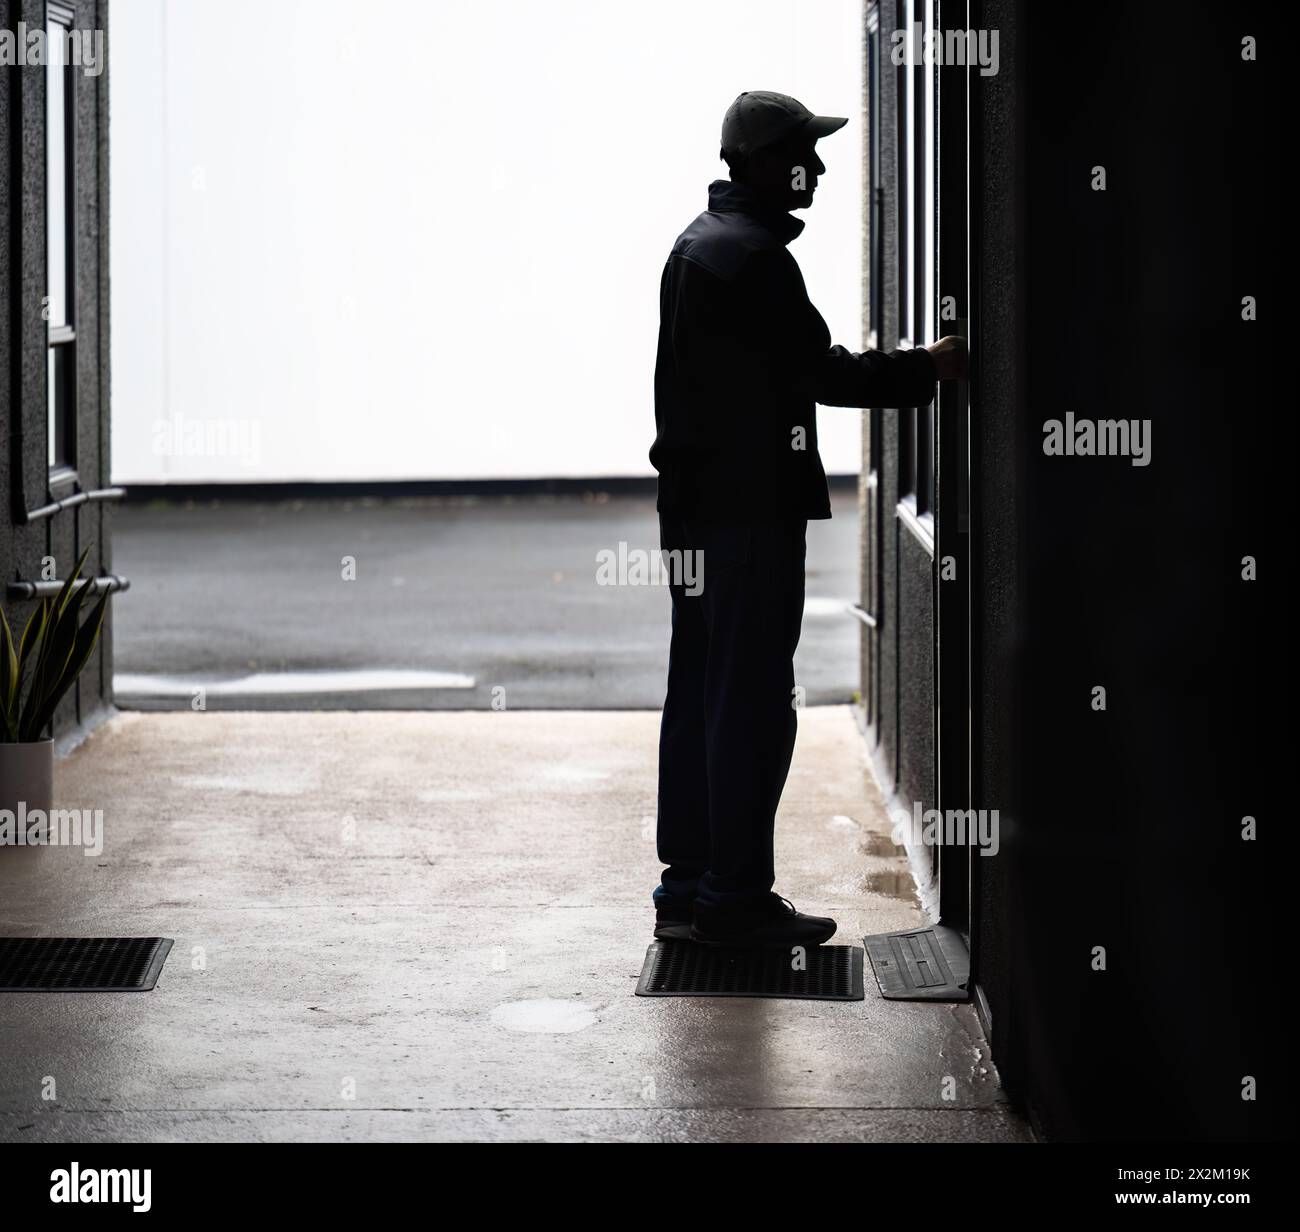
{"type": "Point", "coordinates": [743, 359]}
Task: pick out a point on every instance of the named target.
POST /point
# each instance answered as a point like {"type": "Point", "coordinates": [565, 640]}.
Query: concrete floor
{"type": "Point", "coordinates": [430, 926]}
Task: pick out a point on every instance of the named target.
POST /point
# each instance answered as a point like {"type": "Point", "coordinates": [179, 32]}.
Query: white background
{"type": "Point", "coordinates": [424, 242]}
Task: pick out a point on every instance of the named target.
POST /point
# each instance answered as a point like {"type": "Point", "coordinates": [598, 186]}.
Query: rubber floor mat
{"type": "Point", "coordinates": [921, 964]}
{"type": "Point", "coordinates": [813, 973]}
{"type": "Point", "coordinates": [81, 964]}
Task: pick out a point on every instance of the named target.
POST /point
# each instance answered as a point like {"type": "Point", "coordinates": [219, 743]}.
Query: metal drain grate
{"type": "Point", "coordinates": [687, 969]}
{"type": "Point", "coordinates": [81, 964]}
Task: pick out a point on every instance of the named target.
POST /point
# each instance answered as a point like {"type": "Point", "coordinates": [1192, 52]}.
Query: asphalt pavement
{"type": "Point", "coordinates": [424, 603]}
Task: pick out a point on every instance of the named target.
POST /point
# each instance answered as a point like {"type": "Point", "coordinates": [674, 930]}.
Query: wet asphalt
{"type": "Point", "coordinates": [400, 604]}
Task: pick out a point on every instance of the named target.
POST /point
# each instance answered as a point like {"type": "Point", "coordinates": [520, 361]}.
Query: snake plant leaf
{"type": "Point", "coordinates": [70, 587]}
{"type": "Point", "coordinates": [9, 670]}
{"type": "Point", "coordinates": [42, 650]}
{"type": "Point", "coordinates": [37, 671]}
{"type": "Point", "coordinates": [31, 632]}
{"type": "Point", "coordinates": [59, 643]}
{"type": "Point", "coordinates": [84, 642]}
{"type": "Point", "coordinates": [31, 638]}
{"type": "Point", "coordinates": [53, 607]}
{"type": "Point", "coordinates": [66, 619]}
{"type": "Point", "coordinates": [43, 606]}
{"type": "Point", "coordinates": [49, 608]}
{"type": "Point", "coordinates": [61, 639]}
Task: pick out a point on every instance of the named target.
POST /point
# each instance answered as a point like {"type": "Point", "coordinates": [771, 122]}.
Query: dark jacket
{"type": "Point", "coordinates": [744, 358]}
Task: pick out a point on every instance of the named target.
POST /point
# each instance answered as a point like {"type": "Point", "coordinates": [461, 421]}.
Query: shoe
{"type": "Point", "coordinates": [773, 923]}
{"type": "Point", "coordinates": [673, 919]}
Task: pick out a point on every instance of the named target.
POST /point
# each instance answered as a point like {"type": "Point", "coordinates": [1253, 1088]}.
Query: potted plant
{"type": "Point", "coordinates": [36, 670]}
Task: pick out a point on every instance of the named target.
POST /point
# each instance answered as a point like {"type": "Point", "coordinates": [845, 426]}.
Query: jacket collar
{"type": "Point", "coordinates": [728, 197]}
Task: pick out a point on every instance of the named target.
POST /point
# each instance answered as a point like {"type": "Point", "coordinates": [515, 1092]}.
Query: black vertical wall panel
{"type": "Point", "coordinates": [1128, 837]}
{"type": "Point", "coordinates": [866, 512]}
{"type": "Point", "coordinates": [9, 262]}
{"type": "Point", "coordinates": [916, 747]}
{"type": "Point", "coordinates": [997, 431]}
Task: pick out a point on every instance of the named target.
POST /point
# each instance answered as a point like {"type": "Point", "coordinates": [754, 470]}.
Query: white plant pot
{"type": "Point", "coordinates": [27, 777]}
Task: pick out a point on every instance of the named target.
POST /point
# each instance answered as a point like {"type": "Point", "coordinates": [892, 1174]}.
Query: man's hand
{"type": "Point", "coordinates": [951, 359]}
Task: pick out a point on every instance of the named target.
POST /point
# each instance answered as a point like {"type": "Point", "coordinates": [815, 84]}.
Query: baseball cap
{"type": "Point", "coordinates": [761, 117]}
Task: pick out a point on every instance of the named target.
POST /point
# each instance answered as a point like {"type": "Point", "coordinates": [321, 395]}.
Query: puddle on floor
{"type": "Point", "coordinates": [894, 883]}
{"type": "Point", "coordinates": [881, 845]}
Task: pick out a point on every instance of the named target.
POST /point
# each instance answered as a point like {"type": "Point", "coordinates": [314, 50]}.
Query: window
{"type": "Point", "coordinates": [903, 182]}
{"type": "Point", "coordinates": [927, 309]}
{"type": "Point", "coordinates": [918, 313]}
{"type": "Point", "coordinates": [875, 222]}
{"type": "Point", "coordinates": [875, 189]}
{"type": "Point", "coordinates": [874, 571]}
{"type": "Point", "coordinates": [60, 231]}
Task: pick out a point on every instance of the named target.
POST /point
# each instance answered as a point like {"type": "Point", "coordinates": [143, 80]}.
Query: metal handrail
{"type": "Point", "coordinates": [42, 590]}
{"type": "Point", "coordinates": [71, 502]}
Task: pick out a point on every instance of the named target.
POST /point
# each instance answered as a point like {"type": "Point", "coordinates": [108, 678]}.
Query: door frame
{"type": "Point", "coordinates": [954, 523]}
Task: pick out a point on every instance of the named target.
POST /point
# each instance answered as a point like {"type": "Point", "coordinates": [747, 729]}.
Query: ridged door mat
{"type": "Point", "coordinates": [921, 964]}
{"type": "Point", "coordinates": [81, 964]}
{"type": "Point", "coordinates": [688, 969]}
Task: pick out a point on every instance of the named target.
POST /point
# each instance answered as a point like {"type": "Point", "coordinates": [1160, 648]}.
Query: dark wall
{"type": "Point", "coordinates": [24, 479]}
{"type": "Point", "coordinates": [1120, 829]}
{"type": "Point", "coordinates": [913, 719]}
{"type": "Point", "coordinates": [1124, 825]}
{"type": "Point", "coordinates": [998, 432]}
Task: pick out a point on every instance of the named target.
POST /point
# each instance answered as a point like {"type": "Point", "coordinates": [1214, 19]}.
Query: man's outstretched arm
{"type": "Point", "coordinates": [894, 379]}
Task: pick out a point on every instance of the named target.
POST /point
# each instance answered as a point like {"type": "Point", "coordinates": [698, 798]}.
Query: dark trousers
{"type": "Point", "coordinates": [729, 718]}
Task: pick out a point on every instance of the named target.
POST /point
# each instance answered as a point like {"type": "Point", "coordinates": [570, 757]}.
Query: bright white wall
{"type": "Point", "coordinates": [348, 247]}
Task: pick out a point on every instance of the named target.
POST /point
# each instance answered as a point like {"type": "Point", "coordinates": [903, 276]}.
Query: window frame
{"type": "Point", "coordinates": [62, 420]}
{"type": "Point", "coordinates": [875, 185]}
{"type": "Point", "coordinates": [917, 248]}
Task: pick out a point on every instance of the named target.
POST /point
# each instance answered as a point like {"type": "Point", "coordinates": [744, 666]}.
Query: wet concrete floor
{"type": "Point", "coordinates": [429, 926]}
